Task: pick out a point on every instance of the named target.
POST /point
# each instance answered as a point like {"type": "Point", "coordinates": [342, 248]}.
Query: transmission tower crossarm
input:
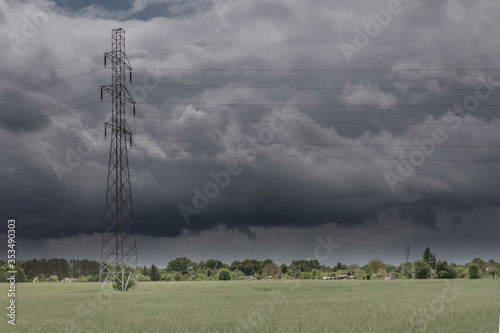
{"type": "Point", "coordinates": [118, 57]}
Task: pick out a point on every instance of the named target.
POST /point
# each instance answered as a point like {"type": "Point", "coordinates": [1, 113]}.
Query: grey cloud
{"type": "Point", "coordinates": [271, 192]}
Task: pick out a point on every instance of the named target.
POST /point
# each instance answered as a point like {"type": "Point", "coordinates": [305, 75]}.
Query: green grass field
{"type": "Point", "coordinates": [259, 306]}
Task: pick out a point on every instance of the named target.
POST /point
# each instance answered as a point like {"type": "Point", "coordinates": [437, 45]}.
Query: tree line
{"type": "Point", "coordinates": [184, 269]}
{"type": "Point", "coordinates": [52, 270]}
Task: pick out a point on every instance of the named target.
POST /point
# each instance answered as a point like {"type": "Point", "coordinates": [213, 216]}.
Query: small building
{"type": "Point", "coordinates": [388, 277]}
{"type": "Point", "coordinates": [345, 277]}
{"type": "Point", "coordinates": [327, 278]}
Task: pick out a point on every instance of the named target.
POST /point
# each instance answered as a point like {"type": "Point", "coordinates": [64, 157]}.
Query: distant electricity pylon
{"type": "Point", "coordinates": [119, 251]}
{"type": "Point", "coordinates": [407, 251]}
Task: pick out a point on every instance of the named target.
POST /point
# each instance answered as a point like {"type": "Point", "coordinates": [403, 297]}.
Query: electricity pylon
{"type": "Point", "coordinates": [119, 251]}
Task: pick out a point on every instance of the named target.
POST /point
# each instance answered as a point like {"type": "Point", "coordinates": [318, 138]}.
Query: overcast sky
{"type": "Point", "coordinates": [354, 175]}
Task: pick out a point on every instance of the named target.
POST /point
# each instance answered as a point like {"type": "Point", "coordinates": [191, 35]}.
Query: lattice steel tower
{"type": "Point", "coordinates": [119, 251]}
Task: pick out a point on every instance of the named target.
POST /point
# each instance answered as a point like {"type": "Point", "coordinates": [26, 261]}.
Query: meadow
{"type": "Point", "coordinates": [259, 306]}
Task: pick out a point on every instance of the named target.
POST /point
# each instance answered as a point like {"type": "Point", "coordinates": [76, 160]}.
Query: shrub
{"type": "Point", "coordinates": [200, 277]}
{"type": "Point", "coordinates": [53, 278]}
{"type": "Point", "coordinates": [82, 279]}
{"type": "Point", "coordinates": [443, 275]}
{"type": "Point", "coordinates": [166, 277]}
{"type": "Point", "coordinates": [93, 278]}
{"type": "Point", "coordinates": [306, 275]}
{"type": "Point", "coordinates": [145, 278]}
{"type": "Point", "coordinates": [316, 274]}
{"type": "Point", "coordinates": [236, 274]}
{"type": "Point", "coordinates": [36, 279]}
{"type": "Point", "coordinates": [224, 275]}
{"type": "Point", "coordinates": [130, 275]}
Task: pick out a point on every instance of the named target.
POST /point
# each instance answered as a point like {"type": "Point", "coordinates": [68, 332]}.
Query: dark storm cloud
{"type": "Point", "coordinates": [270, 193]}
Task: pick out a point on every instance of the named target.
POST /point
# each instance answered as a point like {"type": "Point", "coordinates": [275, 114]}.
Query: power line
{"type": "Point", "coordinates": [312, 156]}
{"type": "Point", "coordinates": [315, 122]}
{"type": "Point", "coordinates": [47, 138]}
{"type": "Point", "coordinates": [313, 88]}
{"type": "Point", "coordinates": [48, 115]}
{"type": "Point", "coordinates": [322, 70]}
{"type": "Point", "coordinates": [44, 107]}
{"type": "Point", "coordinates": [48, 83]}
{"type": "Point", "coordinates": [49, 167]}
{"type": "Point", "coordinates": [314, 105]}
{"type": "Point", "coordinates": [49, 151]}
{"type": "Point", "coordinates": [315, 144]}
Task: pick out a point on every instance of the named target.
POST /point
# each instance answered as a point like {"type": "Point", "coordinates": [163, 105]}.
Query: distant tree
{"type": "Point", "coordinates": [480, 263]}
{"type": "Point", "coordinates": [406, 270]}
{"type": "Point", "coordinates": [340, 266]}
{"type": "Point", "coordinates": [20, 276]}
{"type": "Point", "coordinates": [460, 271]}
{"type": "Point", "coordinates": [360, 274]}
{"type": "Point", "coordinates": [493, 268]}
{"type": "Point", "coordinates": [266, 262]}
{"type": "Point", "coordinates": [429, 257]}
{"type": "Point", "coordinates": [473, 271]}
{"type": "Point", "coordinates": [155, 274]}
{"type": "Point", "coordinates": [271, 269]}
{"type": "Point", "coordinates": [179, 265]}
{"type": "Point", "coordinates": [316, 274]}
{"type": "Point", "coordinates": [213, 264]}
{"type": "Point", "coordinates": [314, 263]}
{"type": "Point", "coordinates": [444, 271]}
{"type": "Point", "coordinates": [284, 268]}
{"type": "Point", "coordinates": [390, 268]}
{"type": "Point", "coordinates": [237, 275]}
{"type": "Point", "coordinates": [352, 268]}
{"type": "Point", "coordinates": [376, 265]}
{"type": "Point", "coordinates": [300, 265]}
{"type": "Point", "coordinates": [421, 270]}
{"type": "Point", "coordinates": [247, 266]}
{"type": "Point", "coordinates": [224, 275]}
